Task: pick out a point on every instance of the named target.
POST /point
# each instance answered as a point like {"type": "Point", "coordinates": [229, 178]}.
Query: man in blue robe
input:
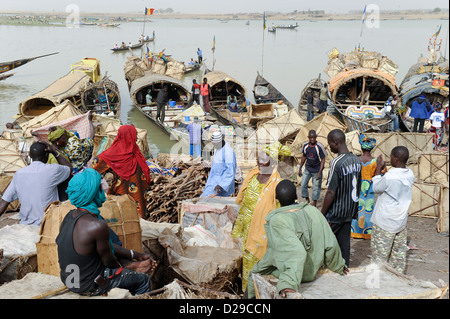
{"type": "Point", "coordinates": [223, 168]}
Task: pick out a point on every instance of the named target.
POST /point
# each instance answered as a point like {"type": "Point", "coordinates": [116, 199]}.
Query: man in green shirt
{"type": "Point", "coordinates": [300, 241]}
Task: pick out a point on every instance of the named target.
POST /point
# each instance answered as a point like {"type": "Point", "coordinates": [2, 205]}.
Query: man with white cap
{"type": "Point", "coordinates": [223, 168]}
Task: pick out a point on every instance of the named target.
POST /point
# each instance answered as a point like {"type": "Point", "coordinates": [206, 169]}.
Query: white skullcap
{"type": "Point", "coordinates": [217, 136]}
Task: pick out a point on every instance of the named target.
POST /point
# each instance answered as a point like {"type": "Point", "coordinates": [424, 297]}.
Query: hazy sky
{"type": "Point", "coordinates": [217, 6]}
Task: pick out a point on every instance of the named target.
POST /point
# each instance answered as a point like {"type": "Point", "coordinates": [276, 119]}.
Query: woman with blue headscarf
{"type": "Point", "coordinates": [362, 227]}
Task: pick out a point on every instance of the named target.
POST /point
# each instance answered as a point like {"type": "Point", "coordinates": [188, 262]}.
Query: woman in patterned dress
{"type": "Point", "coordinates": [77, 150]}
{"type": "Point", "coordinates": [257, 198]}
{"type": "Point", "coordinates": [362, 227]}
{"type": "Point", "coordinates": [125, 161]}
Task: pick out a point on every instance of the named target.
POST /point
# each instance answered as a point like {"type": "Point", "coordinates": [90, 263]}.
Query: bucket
{"type": "Point", "coordinates": [187, 118]}
{"type": "Point", "coordinates": [172, 103]}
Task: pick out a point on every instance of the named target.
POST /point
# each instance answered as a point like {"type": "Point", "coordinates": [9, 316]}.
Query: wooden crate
{"type": "Point", "coordinates": [260, 112]}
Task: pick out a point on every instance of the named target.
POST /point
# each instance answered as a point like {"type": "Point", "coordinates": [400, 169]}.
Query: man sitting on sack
{"type": "Point", "coordinates": [90, 263]}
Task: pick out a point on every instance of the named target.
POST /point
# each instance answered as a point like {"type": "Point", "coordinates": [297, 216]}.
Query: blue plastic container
{"type": "Point", "coordinates": [172, 103]}
{"type": "Point", "coordinates": [187, 118]}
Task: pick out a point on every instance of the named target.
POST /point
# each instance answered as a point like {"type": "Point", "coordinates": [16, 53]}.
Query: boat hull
{"type": "Point", "coordinates": [273, 94]}
{"type": "Point", "coordinates": [379, 125]}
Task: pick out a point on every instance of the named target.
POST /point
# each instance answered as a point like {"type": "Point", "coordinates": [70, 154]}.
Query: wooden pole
{"type": "Point", "coordinates": [50, 293]}
{"type": "Point", "coordinates": [363, 92]}
{"type": "Point", "coordinates": [262, 63]}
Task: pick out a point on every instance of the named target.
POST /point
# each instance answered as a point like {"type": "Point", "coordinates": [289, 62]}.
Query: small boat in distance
{"type": "Point", "coordinates": [287, 26]}
{"type": "Point", "coordinates": [109, 25]}
{"type": "Point", "coordinates": [132, 47]}
{"type": "Point", "coordinates": [191, 67]}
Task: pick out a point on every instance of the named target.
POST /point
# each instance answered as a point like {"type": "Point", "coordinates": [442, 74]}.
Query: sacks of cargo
{"type": "Point", "coordinates": [18, 251]}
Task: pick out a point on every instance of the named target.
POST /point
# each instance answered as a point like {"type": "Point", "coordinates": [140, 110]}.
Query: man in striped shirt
{"type": "Point", "coordinates": [340, 204]}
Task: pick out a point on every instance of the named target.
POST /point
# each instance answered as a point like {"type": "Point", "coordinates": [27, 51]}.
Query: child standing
{"type": "Point", "coordinates": [437, 121]}
{"type": "Point", "coordinates": [391, 210]}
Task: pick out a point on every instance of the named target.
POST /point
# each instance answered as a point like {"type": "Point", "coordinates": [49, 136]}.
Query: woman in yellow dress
{"type": "Point", "coordinates": [257, 198]}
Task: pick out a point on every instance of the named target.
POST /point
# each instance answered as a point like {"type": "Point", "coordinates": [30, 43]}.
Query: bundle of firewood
{"type": "Point", "coordinates": [165, 194]}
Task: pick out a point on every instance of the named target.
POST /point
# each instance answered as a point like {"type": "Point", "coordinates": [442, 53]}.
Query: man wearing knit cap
{"type": "Point", "coordinates": [223, 168]}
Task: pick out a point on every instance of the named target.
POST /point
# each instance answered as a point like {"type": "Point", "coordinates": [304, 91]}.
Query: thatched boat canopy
{"type": "Point", "coordinates": [69, 87]}
{"type": "Point", "coordinates": [419, 80]}
{"type": "Point", "coordinates": [223, 85]}
{"type": "Point", "coordinates": [152, 82]}
{"type": "Point", "coordinates": [346, 86]}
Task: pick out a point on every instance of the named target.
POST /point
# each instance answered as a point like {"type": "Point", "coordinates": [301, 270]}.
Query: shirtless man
{"type": "Point", "coordinates": [90, 263]}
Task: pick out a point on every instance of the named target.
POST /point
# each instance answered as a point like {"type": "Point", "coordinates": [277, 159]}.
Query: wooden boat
{"type": "Point", "coordinates": [287, 26]}
{"type": "Point", "coordinates": [132, 47]}
{"type": "Point", "coordinates": [109, 25]}
{"type": "Point", "coordinates": [222, 85]}
{"type": "Point", "coordinates": [264, 92]}
{"type": "Point", "coordinates": [359, 92]}
{"type": "Point", "coordinates": [76, 86]}
{"type": "Point", "coordinates": [151, 83]}
{"type": "Point", "coordinates": [315, 85]}
{"type": "Point", "coordinates": [5, 76]}
{"type": "Point", "coordinates": [192, 67]}
{"type": "Point", "coordinates": [102, 97]}
{"type": "Point", "coordinates": [429, 79]}
{"type": "Point", "coordinates": [68, 87]}
{"type": "Point", "coordinates": [8, 66]}
{"type": "Point", "coordinates": [149, 39]}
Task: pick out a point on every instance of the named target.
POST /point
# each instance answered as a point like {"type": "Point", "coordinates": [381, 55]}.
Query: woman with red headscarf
{"type": "Point", "coordinates": [128, 166]}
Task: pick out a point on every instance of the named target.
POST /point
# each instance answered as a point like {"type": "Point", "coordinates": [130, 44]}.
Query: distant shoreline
{"type": "Point", "coordinates": [384, 15]}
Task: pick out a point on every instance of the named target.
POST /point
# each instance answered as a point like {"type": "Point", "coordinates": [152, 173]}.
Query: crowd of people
{"type": "Point", "coordinates": [278, 232]}
{"type": "Point", "coordinates": [298, 238]}
{"type": "Point", "coordinates": [420, 111]}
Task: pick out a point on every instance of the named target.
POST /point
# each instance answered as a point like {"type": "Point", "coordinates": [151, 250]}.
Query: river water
{"type": "Point", "coordinates": [288, 58]}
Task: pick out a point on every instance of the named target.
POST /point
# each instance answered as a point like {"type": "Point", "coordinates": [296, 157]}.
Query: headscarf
{"type": "Point", "coordinates": [124, 154]}
{"type": "Point", "coordinates": [56, 134]}
{"type": "Point", "coordinates": [277, 151]}
{"type": "Point", "coordinates": [85, 192]}
{"type": "Point", "coordinates": [216, 137]}
{"type": "Point", "coordinates": [367, 143]}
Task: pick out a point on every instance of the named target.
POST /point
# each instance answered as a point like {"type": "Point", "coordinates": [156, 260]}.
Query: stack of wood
{"type": "Point", "coordinates": [165, 194]}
